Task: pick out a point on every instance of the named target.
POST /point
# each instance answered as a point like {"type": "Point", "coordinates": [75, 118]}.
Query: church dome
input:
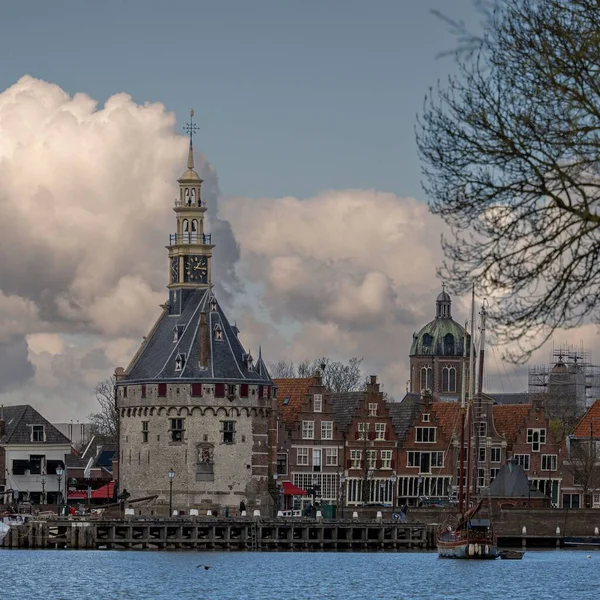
{"type": "Point", "coordinates": [441, 337]}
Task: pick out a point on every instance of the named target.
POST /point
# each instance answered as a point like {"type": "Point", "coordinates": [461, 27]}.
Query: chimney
{"type": "Point", "coordinates": [204, 341]}
{"type": "Point", "coordinates": [2, 422]}
{"type": "Point", "coordinates": [373, 386]}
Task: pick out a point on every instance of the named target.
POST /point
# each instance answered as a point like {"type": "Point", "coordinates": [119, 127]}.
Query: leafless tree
{"type": "Point", "coordinates": [105, 422]}
{"type": "Point", "coordinates": [511, 155]}
{"type": "Point", "coordinates": [337, 376]}
{"type": "Point", "coordinates": [584, 465]}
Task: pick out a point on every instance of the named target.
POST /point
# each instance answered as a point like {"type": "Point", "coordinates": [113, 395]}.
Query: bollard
{"type": "Point", "coordinates": [193, 512]}
{"type": "Point", "coordinates": [355, 515]}
{"type": "Point", "coordinates": [558, 537]}
{"type": "Point", "coordinates": [243, 513]}
{"type": "Point", "coordinates": [257, 513]}
{"type": "Point", "coordinates": [319, 515]}
{"type": "Point", "coordinates": [280, 513]}
{"type": "Point", "coordinates": [379, 515]}
{"type": "Point", "coordinates": [209, 513]}
{"type": "Point", "coordinates": [175, 513]}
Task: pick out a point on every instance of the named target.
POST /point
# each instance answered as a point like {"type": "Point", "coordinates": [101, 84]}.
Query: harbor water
{"type": "Point", "coordinates": [130, 575]}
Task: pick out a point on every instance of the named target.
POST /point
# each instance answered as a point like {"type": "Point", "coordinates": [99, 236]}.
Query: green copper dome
{"type": "Point", "coordinates": [441, 337]}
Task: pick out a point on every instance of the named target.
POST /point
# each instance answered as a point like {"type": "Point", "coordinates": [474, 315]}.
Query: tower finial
{"type": "Point", "coordinates": [191, 128]}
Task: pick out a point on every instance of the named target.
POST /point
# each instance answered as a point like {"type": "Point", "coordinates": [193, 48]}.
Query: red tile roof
{"type": "Point", "coordinates": [291, 394]}
{"type": "Point", "coordinates": [510, 418]}
{"type": "Point", "coordinates": [591, 417]}
{"type": "Point", "coordinates": [447, 415]}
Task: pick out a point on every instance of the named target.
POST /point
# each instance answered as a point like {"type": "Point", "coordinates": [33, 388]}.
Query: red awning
{"type": "Point", "coordinates": [289, 489]}
{"type": "Point", "coordinates": [104, 492]}
{"type": "Point", "coordinates": [77, 495]}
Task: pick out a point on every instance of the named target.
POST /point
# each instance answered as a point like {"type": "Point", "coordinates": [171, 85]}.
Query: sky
{"type": "Point", "coordinates": [306, 144]}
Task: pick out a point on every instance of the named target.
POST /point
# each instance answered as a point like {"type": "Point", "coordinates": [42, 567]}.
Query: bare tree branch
{"type": "Point", "coordinates": [105, 421]}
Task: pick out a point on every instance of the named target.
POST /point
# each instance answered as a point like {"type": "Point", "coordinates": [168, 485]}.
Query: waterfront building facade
{"type": "Point", "coordinates": [196, 409]}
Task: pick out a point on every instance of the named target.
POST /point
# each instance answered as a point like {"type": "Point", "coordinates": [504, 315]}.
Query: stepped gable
{"type": "Point", "coordinates": [509, 419]}
{"type": "Point", "coordinates": [291, 394]}
{"type": "Point", "coordinates": [176, 335]}
{"type": "Point", "coordinates": [404, 413]}
{"type": "Point", "coordinates": [18, 420]}
{"type": "Point", "coordinates": [345, 405]}
{"type": "Point", "coordinates": [591, 417]}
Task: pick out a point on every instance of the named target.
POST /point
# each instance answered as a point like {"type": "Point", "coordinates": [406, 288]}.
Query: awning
{"type": "Point", "coordinates": [105, 492]}
{"type": "Point", "coordinates": [289, 489]}
{"type": "Point", "coordinates": [77, 495]}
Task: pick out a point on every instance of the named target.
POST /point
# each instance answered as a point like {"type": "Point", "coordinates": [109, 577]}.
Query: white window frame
{"type": "Point", "coordinates": [302, 456]}
{"type": "Point", "coordinates": [525, 462]}
{"type": "Point", "coordinates": [386, 459]}
{"type": "Point", "coordinates": [318, 403]}
{"type": "Point", "coordinates": [326, 430]}
{"type": "Point", "coordinates": [331, 457]}
{"type": "Point", "coordinates": [380, 432]}
{"type": "Point", "coordinates": [372, 409]}
{"type": "Point", "coordinates": [363, 431]}
{"type": "Point", "coordinates": [493, 451]}
{"type": "Point", "coordinates": [317, 458]}
{"type": "Point", "coordinates": [308, 430]}
{"type": "Point", "coordinates": [420, 433]}
{"type": "Point", "coordinates": [355, 459]}
{"type": "Point", "coordinates": [536, 446]}
{"type": "Point", "coordinates": [371, 460]}
{"type": "Point", "coordinates": [553, 458]}
{"type": "Point", "coordinates": [426, 418]}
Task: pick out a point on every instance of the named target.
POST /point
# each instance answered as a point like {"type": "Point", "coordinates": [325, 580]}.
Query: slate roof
{"type": "Point", "coordinates": [509, 419]}
{"type": "Point", "coordinates": [345, 405]}
{"type": "Point", "coordinates": [591, 416]}
{"type": "Point", "coordinates": [511, 398]}
{"type": "Point", "coordinates": [512, 482]}
{"type": "Point", "coordinates": [404, 413]}
{"type": "Point", "coordinates": [291, 394]}
{"type": "Point", "coordinates": [158, 353]}
{"type": "Point", "coordinates": [19, 418]}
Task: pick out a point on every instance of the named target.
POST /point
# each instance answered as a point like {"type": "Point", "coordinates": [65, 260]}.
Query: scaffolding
{"type": "Point", "coordinates": [569, 372]}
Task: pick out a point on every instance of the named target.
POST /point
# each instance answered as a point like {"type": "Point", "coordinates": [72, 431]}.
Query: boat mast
{"type": "Point", "coordinates": [471, 394]}
{"type": "Point", "coordinates": [463, 402]}
{"type": "Point", "coordinates": [479, 398]}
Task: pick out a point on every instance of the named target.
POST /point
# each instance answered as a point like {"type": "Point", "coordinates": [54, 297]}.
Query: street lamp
{"type": "Point", "coordinates": [420, 481]}
{"type": "Point", "coordinates": [342, 482]}
{"type": "Point", "coordinates": [393, 480]}
{"type": "Point", "coordinates": [171, 475]}
{"type": "Point", "coordinates": [277, 499]}
{"type": "Point", "coordinates": [43, 481]}
{"type": "Point", "coordinates": [59, 473]}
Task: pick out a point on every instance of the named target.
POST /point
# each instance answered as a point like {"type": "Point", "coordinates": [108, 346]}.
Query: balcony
{"type": "Point", "coordinates": [190, 238]}
{"type": "Point", "coordinates": [179, 203]}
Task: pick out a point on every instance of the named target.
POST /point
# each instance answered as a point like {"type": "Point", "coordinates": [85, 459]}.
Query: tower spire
{"type": "Point", "coordinates": [191, 128]}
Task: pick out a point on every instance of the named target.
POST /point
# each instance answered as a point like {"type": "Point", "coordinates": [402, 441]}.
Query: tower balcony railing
{"type": "Point", "coordinates": [190, 238]}
{"type": "Point", "coordinates": [187, 202]}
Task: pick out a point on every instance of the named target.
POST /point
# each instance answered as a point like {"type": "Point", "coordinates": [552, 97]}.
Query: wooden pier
{"type": "Point", "coordinates": [221, 534]}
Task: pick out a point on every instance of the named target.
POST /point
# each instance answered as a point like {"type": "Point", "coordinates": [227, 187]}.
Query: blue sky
{"type": "Point", "coordinates": [292, 98]}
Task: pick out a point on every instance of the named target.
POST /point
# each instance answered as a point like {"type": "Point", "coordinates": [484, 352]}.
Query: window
{"type": "Point", "coordinates": [425, 434]}
{"type": "Point", "coordinates": [219, 390]}
{"type": "Point", "coordinates": [196, 390]}
{"type": "Point", "coordinates": [145, 432]}
{"type": "Point", "coordinates": [36, 463]}
{"type": "Point", "coordinates": [218, 333]}
{"type": "Point", "coordinates": [37, 433]}
{"type": "Point", "coordinates": [176, 430]}
{"type": "Point", "coordinates": [549, 462]}
{"type": "Point", "coordinates": [425, 460]}
{"type": "Point", "coordinates": [413, 459]}
{"type": "Point", "coordinates": [480, 477]}
{"type": "Point", "coordinates": [331, 457]}
{"type": "Point", "coordinates": [244, 390]}
{"type": "Point", "coordinates": [20, 466]}
{"type": "Point", "coordinates": [482, 454]}
{"type": "Point", "coordinates": [448, 379]}
{"type": "Point", "coordinates": [493, 474]}
{"type": "Point", "coordinates": [318, 403]}
{"type": "Point", "coordinates": [162, 390]}
{"type": "Point", "coordinates": [536, 437]}
{"type": "Point", "coordinates": [308, 430]}
{"type": "Point", "coordinates": [570, 500]}
{"type": "Point", "coordinates": [355, 458]}
{"type": "Point", "coordinates": [371, 459]}
{"type": "Point", "coordinates": [426, 418]}
{"type": "Point", "coordinates": [302, 456]}
{"type": "Point", "coordinates": [228, 431]}
{"type": "Point", "coordinates": [326, 484]}
{"type": "Point", "coordinates": [380, 431]}
{"type": "Point", "coordinates": [386, 459]}
{"type": "Point", "coordinates": [426, 376]}
{"type": "Point", "coordinates": [231, 390]}
{"type": "Point", "coordinates": [177, 333]}
{"type": "Point", "coordinates": [481, 428]}
{"type": "Point", "coordinates": [316, 456]}
{"type": "Point", "coordinates": [495, 454]}
{"type": "Point", "coordinates": [282, 464]}
{"type": "Point", "coordinates": [180, 362]}
{"type": "Point", "coordinates": [372, 409]}
{"type": "Point", "coordinates": [326, 430]}
{"type": "Point", "coordinates": [363, 431]}
{"type": "Point", "coordinates": [523, 460]}
{"type": "Point", "coordinates": [437, 459]}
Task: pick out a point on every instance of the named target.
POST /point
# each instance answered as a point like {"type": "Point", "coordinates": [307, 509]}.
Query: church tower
{"type": "Point", "coordinates": [193, 402]}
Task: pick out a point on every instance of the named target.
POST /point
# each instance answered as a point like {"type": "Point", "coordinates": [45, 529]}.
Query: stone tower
{"type": "Point", "coordinates": [193, 401]}
{"type": "Point", "coordinates": [436, 353]}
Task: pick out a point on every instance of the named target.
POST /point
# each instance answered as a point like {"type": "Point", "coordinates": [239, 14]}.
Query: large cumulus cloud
{"type": "Point", "coordinates": [85, 198]}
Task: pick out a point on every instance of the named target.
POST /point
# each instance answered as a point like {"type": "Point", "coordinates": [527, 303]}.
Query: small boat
{"type": "Point", "coordinates": [4, 529]}
{"type": "Point", "coordinates": [511, 554]}
{"type": "Point", "coordinates": [581, 541]}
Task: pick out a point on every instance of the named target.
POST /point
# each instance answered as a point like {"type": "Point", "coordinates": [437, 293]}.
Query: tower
{"type": "Point", "coordinates": [193, 402]}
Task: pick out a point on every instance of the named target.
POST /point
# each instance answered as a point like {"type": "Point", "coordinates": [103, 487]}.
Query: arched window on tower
{"type": "Point", "coordinates": [193, 197]}
{"type": "Point", "coordinates": [426, 378]}
{"type": "Point", "coordinates": [187, 197]}
{"type": "Point", "coordinates": [448, 379]}
{"type": "Point", "coordinates": [185, 228]}
{"type": "Point", "coordinates": [194, 230]}
{"type": "Point", "coordinates": [449, 345]}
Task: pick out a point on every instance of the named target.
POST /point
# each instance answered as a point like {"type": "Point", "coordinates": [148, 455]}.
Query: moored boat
{"type": "Point", "coordinates": [4, 529]}
{"type": "Point", "coordinates": [511, 554]}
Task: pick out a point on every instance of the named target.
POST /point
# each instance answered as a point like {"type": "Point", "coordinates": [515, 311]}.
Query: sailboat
{"type": "Point", "coordinates": [471, 538]}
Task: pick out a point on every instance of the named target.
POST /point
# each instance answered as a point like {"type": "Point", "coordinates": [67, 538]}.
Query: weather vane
{"type": "Point", "coordinates": [191, 127]}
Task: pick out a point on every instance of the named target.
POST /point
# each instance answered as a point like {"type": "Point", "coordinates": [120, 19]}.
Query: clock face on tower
{"type": "Point", "coordinates": [175, 269]}
{"type": "Point", "coordinates": [195, 269]}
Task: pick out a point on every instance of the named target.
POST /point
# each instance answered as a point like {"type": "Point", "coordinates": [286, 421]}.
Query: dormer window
{"type": "Point", "coordinates": [180, 362]}
{"type": "Point", "coordinates": [218, 333]}
{"type": "Point", "coordinates": [426, 418]}
{"type": "Point", "coordinates": [213, 305]}
{"type": "Point", "coordinates": [177, 333]}
{"type": "Point", "coordinates": [37, 433]}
